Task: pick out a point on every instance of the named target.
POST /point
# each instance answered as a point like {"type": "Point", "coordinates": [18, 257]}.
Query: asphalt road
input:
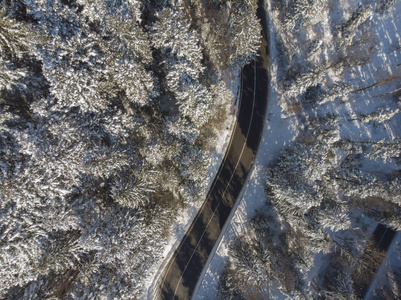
{"type": "Point", "coordinates": [183, 271]}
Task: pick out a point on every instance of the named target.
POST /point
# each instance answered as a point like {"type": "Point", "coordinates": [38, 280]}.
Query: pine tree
{"type": "Point", "coordinates": [381, 115]}
{"type": "Point", "coordinates": [92, 167]}
{"type": "Point", "coordinates": [10, 75]}
{"type": "Point", "coordinates": [347, 31]}
{"type": "Point", "coordinates": [16, 39]}
{"type": "Point", "coordinates": [245, 32]}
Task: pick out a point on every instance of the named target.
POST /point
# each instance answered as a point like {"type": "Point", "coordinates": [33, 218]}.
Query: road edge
{"type": "Point", "coordinates": [151, 292]}
{"type": "Point", "coordinates": [246, 183]}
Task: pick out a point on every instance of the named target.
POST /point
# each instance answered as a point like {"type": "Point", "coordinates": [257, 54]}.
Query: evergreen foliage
{"type": "Point", "coordinates": [104, 109]}
{"type": "Point", "coordinates": [313, 236]}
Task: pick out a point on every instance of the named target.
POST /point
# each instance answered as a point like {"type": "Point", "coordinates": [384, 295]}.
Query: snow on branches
{"type": "Point", "coordinates": [101, 111]}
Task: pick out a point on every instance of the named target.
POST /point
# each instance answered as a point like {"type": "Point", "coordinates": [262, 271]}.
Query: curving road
{"type": "Point", "coordinates": [183, 271]}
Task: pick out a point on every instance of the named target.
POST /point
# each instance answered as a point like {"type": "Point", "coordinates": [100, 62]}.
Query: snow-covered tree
{"type": "Point", "coordinates": [310, 167]}
{"type": "Point", "coordinates": [183, 66]}
{"type": "Point", "coordinates": [337, 91]}
{"type": "Point", "coordinates": [10, 75]}
{"type": "Point", "coordinates": [257, 261]}
{"type": "Point", "coordinates": [132, 190]}
{"type": "Point", "coordinates": [245, 31]}
{"type": "Point", "coordinates": [384, 6]}
{"type": "Point", "coordinates": [173, 35]}
{"type": "Point", "coordinates": [386, 150]}
{"type": "Point", "coordinates": [338, 285]}
{"type": "Point", "coordinates": [302, 12]}
{"type": "Point", "coordinates": [311, 182]}
{"type": "Point", "coordinates": [53, 18]}
{"type": "Point", "coordinates": [381, 115]}
{"type": "Point", "coordinates": [92, 164]}
{"type": "Point", "coordinates": [347, 31]}
{"type": "Point", "coordinates": [16, 39]}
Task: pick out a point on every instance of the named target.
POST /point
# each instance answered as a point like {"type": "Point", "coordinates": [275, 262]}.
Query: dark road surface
{"type": "Point", "coordinates": [183, 271]}
{"type": "Point", "coordinates": [383, 237]}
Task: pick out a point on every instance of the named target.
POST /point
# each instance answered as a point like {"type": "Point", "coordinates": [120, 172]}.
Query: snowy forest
{"type": "Point", "coordinates": [109, 111]}
{"type": "Point", "coordinates": [328, 192]}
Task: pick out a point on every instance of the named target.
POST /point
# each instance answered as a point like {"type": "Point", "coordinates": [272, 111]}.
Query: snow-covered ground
{"type": "Point", "coordinates": [371, 85]}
